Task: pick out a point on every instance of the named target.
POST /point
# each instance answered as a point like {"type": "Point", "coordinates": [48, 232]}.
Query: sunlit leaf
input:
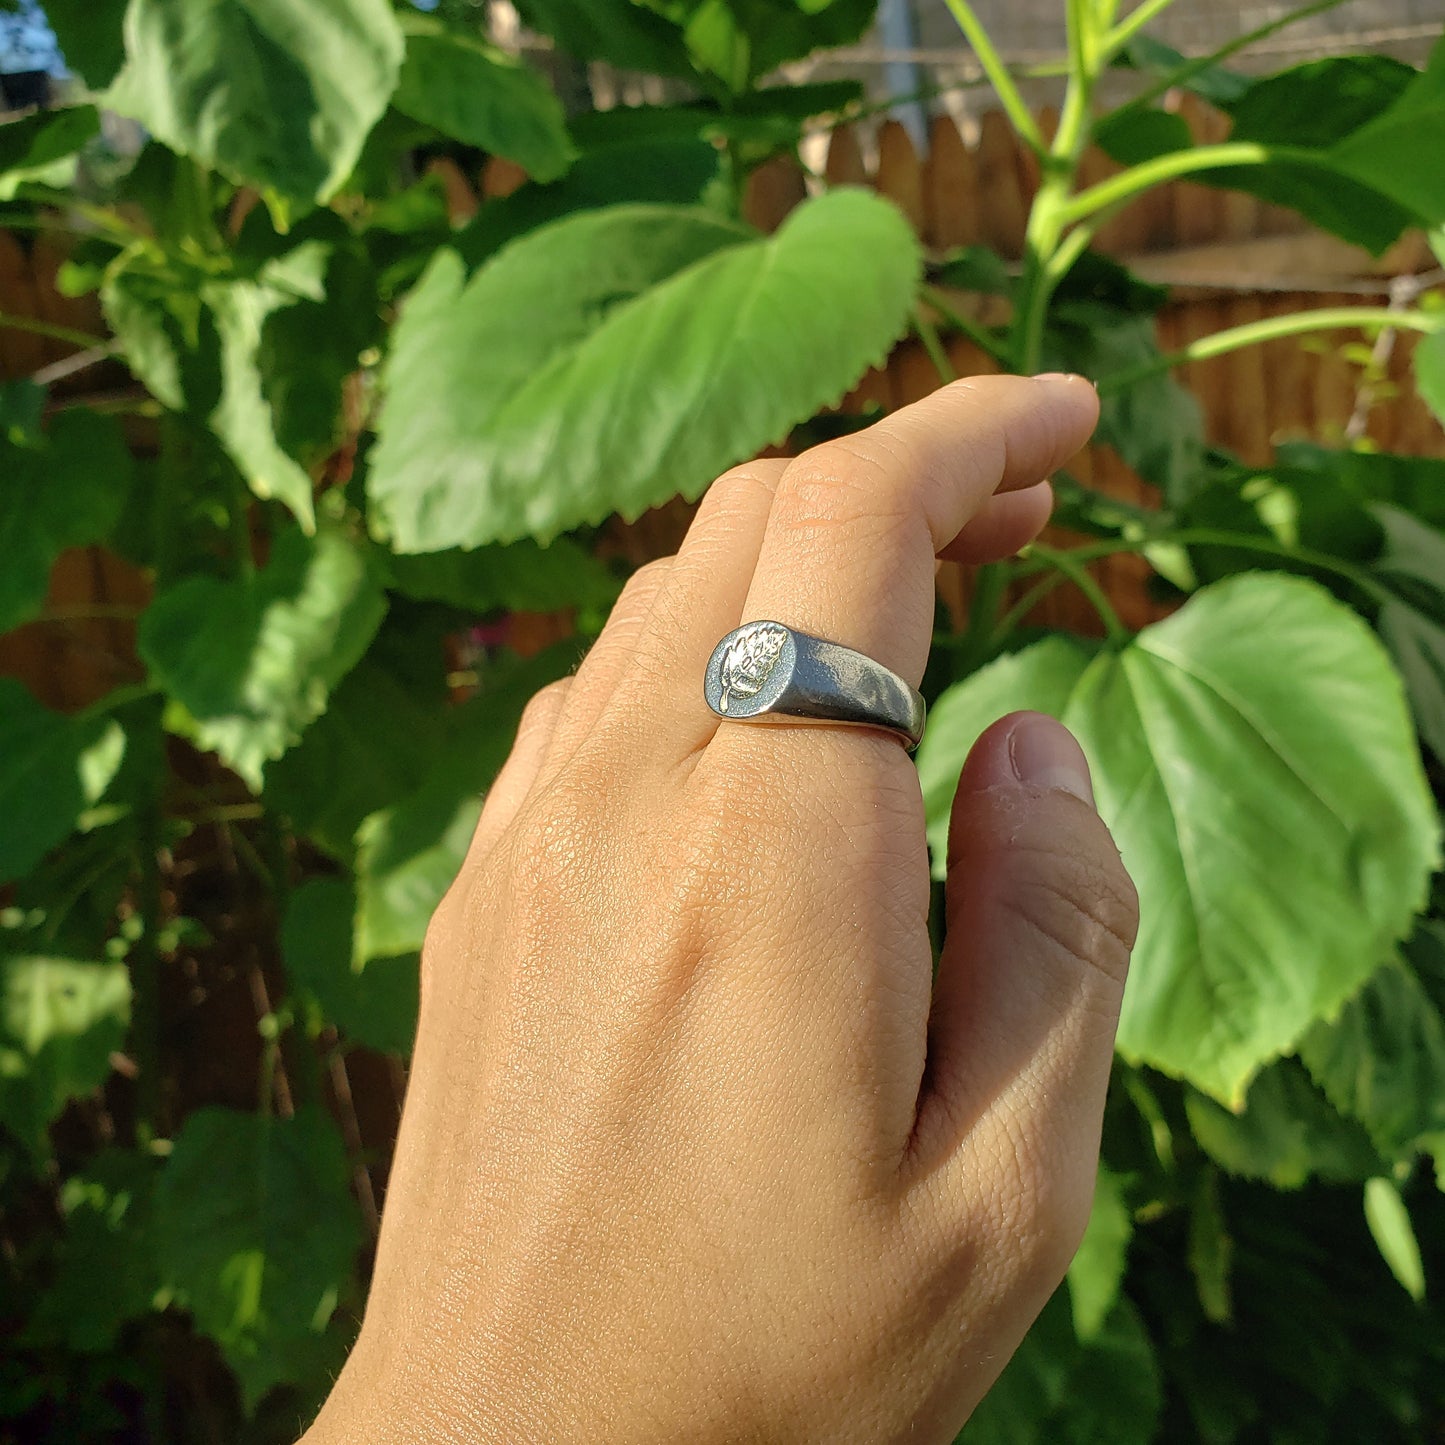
{"type": "Point", "coordinates": [277, 93]}
{"type": "Point", "coordinates": [615, 359]}
{"type": "Point", "coordinates": [66, 491]}
{"type": "Point", "coordinates": [42, 147]}
{"type": "Point", "coordinates": [1268, 682]}
{"type": "Point", "coordinates": [1392, 1231]}
{"type": "Point", "coordinates": [372, 1002]}
{"type": "Point", "coordinates": [60, 1021]}
{"type": "Point", "coordinates": [1097, 1270]}
{"type": "Point", "coordinates": [256, 1232]}
{"type": "Point", "coordinates": [476, 93]}
{"type": "Point", "coordinates": [52, 767]}
{"type": "Point", "coordinates": [254, 660]}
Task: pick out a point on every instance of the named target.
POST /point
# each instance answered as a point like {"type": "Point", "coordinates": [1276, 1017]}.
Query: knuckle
{"type": "Point", "coordinates": [840, 485]}
{"type": "Point", "coordinates": [1084, 908]}
{"type": "Point", "coordinates": [543, 706]}
{"type": "Point", "coordinates": [640, 588]}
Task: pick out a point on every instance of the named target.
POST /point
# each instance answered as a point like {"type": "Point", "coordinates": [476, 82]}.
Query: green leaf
{"type": "Point", "coordinates": [681, 172]}
{"type": "Point", "coordinates": [1325, 797]}
{"type": "Point", "coordinates": [1216, 84]}
{"type": "Point", "coordinates": [671, 343]}
{"type": "Point", "coordinates": [737, 41]}
{"type": "Point", "coordinates": [520, 577]}
{"type": "Point", "coordinates": [1286, 1133]}
{"type": "Point", "coordinates": [1412, 622]}
{"type": "Point", "coordinates": [974, 268]}
{"type": "Point", "coordinates": [1382, 1061]}
{"type": "Point", "coordinates": [1137, 133]}
{"type": "Point", "coordinates": [279, 94]}
{"type": "Point", "coordinates": [1326, 106]}
{"type": "Point", "coordinates": [89, 34]}
{"type": "Point", "coordinates": [197, 345]}
{"type": "Point", "coordinates": [475, 93]}
{"type": "Point", "coordinates": [60, 1021]}
{"type": "Point", "coordinates": [42, 147]}
{"type": "Point", "coordinates": [1211, 1250]}
{"type": "Point", "coordinates": [409, 852]}
{"type": "Point", "coordinates": [1057, 1391]}
{"type": "Point", "coordinates": [1429, 363]}
{"type": "Point", "coordinates": [1097, 1271]}
{"type": "Point", "coordinates": [1155, 425]}
{"type": "Point", "coordinates": [256, 1233]}
{"type": "Point", "coordinates": [1395, 153]}
{"type": "Point", "coordinates": [374, 743]}
{"type": "Point", "coordinates": [52, 768]}
{"type": "Point", "coordinates": [373, 1002]}
{"type": "Point", "coordinates": [1042, 678]}
{"type": "Point", "coordinates": [106, 1272]}
{"type": "Point", "coordinates": [254, 660]}
{"type": "Point", "coordinates": [620, 31]}
{"type": "Point", "coordinates": [65, 490]}
{"type": "Point", "coordinates": [1393, 1233]}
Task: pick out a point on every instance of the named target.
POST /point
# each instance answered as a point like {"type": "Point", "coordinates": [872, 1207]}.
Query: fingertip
{"type": "Point", "coordinates": [1030, 749]}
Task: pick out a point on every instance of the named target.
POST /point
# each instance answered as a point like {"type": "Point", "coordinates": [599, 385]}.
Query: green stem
{"type": "Point", "coordinates": [990, 583]}
{"type": "Point", "coordinates": [1131, 25]}
{"type": "Point", "coordinates": [145, 967]}
{"type": "Point", "coordinates": [1176, 164]}
{"type": "Point", "coordinates": [92, 611]}
{"type": "Point", "coordinates": [55, 333]}
{"type": "Point", "coordinates": [985, 342]}
{"type": "Point", "coordinates": [997, 72]}
{"type": "Point", "coordinates": [1070, 565]}
{"type": "Point", "coordinates": [1186, 72]}
{"type": "Point", "coordinates": [1326, 318]}
{"type": "Point", "coordinates": [1049, 212]}
{"type": "Point", "coordinates": [928, 335]}
{"type": "Point", "coordinates": [1218, 537]}
{"type": "Point", "coordinates": [1026, 604]}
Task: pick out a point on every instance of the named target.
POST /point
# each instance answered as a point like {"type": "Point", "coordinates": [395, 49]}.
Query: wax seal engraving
{"type": "Point", "coordinates": [749, 659]}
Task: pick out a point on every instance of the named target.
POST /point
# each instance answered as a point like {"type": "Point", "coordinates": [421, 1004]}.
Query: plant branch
{"type": "Point", "coordinates": [977, 334]}
{"type": "Point", "coordinates": [1131, 25]}
{"type": "Point", "coordinates": [1176, 164]}
{"type": "Point", "coordinates": [1326, 318]}
{"type": "Point", "coordinates": [1072, 567]}
{"type": "Point", "coordinates": [997, 72]}
{"type": "Point", "coordinates": [1026, 604]}
{"type": "Point", "coordinates": [928, 335]}
{"type": "Point", "coordinates": [55, 333]}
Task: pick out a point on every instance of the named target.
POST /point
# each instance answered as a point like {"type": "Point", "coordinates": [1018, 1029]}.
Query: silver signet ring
{"type": "Point", "coordinates": [765, 672]}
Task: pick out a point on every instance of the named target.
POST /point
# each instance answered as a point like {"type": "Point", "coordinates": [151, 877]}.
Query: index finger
{"type": "Point", "coordinates": [856, 523]}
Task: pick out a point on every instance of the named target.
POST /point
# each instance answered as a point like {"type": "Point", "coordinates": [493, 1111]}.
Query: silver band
{"type": "Point", "coordinates": [765, 672]}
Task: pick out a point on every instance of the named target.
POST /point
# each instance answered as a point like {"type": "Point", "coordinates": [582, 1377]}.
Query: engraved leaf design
{"type": "Point", "coordinates": [749, 658]}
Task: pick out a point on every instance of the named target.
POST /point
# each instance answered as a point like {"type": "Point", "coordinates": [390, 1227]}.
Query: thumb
{"type": "Point", "coordinates": [1041, 917]}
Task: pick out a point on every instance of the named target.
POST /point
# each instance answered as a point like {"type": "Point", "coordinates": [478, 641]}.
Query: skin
{"type": "Point", "coordinates": [695, 1145]}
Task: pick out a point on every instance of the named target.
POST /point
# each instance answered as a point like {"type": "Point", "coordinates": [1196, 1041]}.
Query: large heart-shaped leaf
{"type": "Point", "coordinates": [256, 1230]}
{"type": "Point", "coordinates": [615, 359]}
{"type": "Point", "coordinates": [1255, 760]}
{"type": "Point", "coordinates": [476, 93]}
{"type": "Point", "coordinates": [66, 491]}
{"type": "Point", "coordinates": [60, 1021]}
{"type": "Point", "coordinates": [276, 93]}
{"type": "Point", "coordinates": [254, 660]}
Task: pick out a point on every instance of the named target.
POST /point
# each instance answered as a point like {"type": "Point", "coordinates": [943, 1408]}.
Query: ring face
{"type": "Point", "coordinates": [750, 669]}
{"type": "Point", "coordinates": [765, 672]}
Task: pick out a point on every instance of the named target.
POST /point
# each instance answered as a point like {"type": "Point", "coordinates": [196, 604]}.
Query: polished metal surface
{"type": "Point", "coordinates": [765, 672]}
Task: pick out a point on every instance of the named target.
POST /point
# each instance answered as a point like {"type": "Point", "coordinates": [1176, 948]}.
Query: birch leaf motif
{"type": "Point", "coordinates": [748, 661]}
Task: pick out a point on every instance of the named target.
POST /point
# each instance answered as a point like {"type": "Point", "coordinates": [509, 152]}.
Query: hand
{"type": "Point", "coordinates": [695, 1146]}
